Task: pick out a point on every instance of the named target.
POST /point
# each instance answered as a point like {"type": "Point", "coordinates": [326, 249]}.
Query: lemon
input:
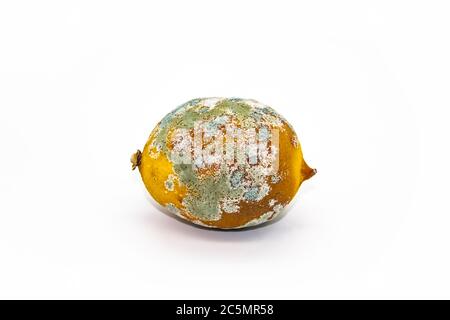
{"type": "Point", "coordinates": [223, 163]}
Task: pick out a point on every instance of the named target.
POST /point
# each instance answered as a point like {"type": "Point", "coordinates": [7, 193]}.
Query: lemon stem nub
{"type": "Point", "coordinates": [308, 172]}
{"type": "Point", "coordinates": [136, 159]}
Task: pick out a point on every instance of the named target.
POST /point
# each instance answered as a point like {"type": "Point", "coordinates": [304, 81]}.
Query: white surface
{"type": "Point", "coordinates": [365, 84]}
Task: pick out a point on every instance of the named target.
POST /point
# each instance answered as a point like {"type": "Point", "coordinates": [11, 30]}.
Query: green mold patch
{"type": "Point", "coordinates": [205, 193]}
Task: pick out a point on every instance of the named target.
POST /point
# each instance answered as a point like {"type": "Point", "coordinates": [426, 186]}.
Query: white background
{"type": "Point", "coordinates": [365, 84]}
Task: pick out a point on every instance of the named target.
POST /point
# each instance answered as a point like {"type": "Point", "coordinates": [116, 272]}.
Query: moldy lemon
{"type": "Point", "coordinates": [223, 163]}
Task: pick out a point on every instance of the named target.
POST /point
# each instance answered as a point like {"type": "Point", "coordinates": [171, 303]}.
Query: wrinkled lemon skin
{"type": "Point", "coordinates": [225, 196]}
